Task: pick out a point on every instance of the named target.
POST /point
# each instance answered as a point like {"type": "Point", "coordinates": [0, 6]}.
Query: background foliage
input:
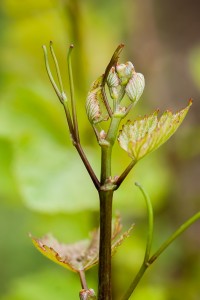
{"type": "Point", "coordinates": [43, 185]}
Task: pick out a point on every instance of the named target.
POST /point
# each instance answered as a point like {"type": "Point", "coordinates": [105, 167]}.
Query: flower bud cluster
{"type": "Point", "coordinates": [122, 80]}
{"type": "Point", "coordinates": [125, 76]}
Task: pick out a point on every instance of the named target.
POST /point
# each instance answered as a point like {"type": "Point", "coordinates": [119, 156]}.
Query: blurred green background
{"type": "Point", "coordinates": [43, 185]}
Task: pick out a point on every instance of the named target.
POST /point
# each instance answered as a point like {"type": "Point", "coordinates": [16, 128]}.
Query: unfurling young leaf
{"type": "Point", "coordinates": [81, 255]}
{"type": "Point", "coordinates": [135, 87]}
{"type": "Point", "coordinates": [94, 102]}
{"type": "Point", "coordinates": [146, 134]}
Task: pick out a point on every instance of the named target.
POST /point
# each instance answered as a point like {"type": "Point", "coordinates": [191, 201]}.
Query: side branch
{"type": "Point", "coordinates": [162, 248]}
{"type": "Point", "coordinates": [71, 84]}
{"type": "Point", "coordinates": [124, 174]}
{"type": "Point", "coordinates": [71, 121]}
{"type": "Point", "coordinates": [87, 165]}
{"type": "Point", "coordinates": [179, 231]}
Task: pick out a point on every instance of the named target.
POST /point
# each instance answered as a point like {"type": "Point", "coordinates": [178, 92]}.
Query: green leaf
{"type": "Point", "coordinates": [146, 134]}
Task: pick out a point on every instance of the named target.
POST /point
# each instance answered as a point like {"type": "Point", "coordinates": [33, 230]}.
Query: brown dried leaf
{"type": "Point", "coordinates": [81, 255]}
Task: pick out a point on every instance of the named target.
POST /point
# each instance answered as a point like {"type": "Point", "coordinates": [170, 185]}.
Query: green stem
{"type": "Point", "coordinates": [60, 94]}
{"type": "Point", "coordinates": [87, 165]}
{"type": "Point", "coordinates": [79, 148]}
{"type": "Point", "coordinates": [57, 69]}
{"type": "Point", "coordinates": [150, 222]}
{"type": "Point", "coordinates": [83, 280]}
{"type": "Point", "coordinates": [106, 151]}
{"type": "Point", "coordinates": [104, 285]}
{"type": "Point", "coordinates": [71, 84]}
{"type": "Point", "coordinates": [163, 247]}
{"type": "Point", "coordinates": [124, 174]}
{"type": "Point", "coordinates": [113, 129]}
{"type": "Point", "coordinates": [179, 231]}
{"type": "Point", "coordinates": [105, 197]}
{"type": "Point", "coordinates": [69, 120]}
{"type": "Point", "coordinates": [50, 74]}
{"type": "Point", "coordinates": [145, 263]}
{"type": "Point", "coordinates": [106, 194]}
{"type": "Point", "coordinates": [73, 126]}
{"type": "Point", "coordinates": [135, 282]}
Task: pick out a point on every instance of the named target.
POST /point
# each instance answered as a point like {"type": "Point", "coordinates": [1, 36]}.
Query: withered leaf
{"type": "Point", "coordinates": [81, 255]}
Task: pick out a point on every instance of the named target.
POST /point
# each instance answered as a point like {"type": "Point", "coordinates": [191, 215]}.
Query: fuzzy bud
{"type": "Point", "coordinates": [125, 72]}
{"type": "Point", "coordinates": [87, 294]}
{"type": "Point", "coordinates": [135, 87]}
{"type": "Point", "coordinates": [113, 83]}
